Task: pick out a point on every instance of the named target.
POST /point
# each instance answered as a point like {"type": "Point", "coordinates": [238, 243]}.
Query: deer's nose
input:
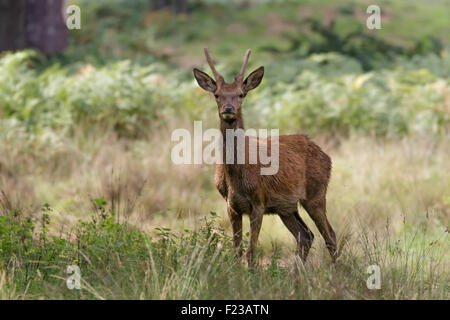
{"type": "Point", "coordinates": [228, 108]}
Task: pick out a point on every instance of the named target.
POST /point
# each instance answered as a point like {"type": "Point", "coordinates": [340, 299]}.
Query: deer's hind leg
{"type": "Point", "coordinates": [302, 234]}
{"type": "Point", "coordinates": [316, 208]}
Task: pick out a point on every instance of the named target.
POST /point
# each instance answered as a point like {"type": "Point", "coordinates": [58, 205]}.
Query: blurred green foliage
{"type": "Point", "coordinates": [128, 68]}
{"type": "Point", "coordinates": [330, 93]}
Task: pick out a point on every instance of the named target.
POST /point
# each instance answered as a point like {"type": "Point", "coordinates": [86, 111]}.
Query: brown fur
{"type": "Point", "coordinates": [303, 176]}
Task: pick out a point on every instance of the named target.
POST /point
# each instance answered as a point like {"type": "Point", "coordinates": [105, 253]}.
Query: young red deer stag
{"type": "Point", "coordinates": [303, 173]}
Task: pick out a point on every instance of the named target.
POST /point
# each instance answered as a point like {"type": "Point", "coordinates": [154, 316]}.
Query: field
{"type": "Point", "coordinates": [86, 177]}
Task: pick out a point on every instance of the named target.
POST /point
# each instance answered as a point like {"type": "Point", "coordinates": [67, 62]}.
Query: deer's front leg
{"type": "Point", "coordinates": [236, 226]}
{"type": "Point", "coordinates": [256, 218]}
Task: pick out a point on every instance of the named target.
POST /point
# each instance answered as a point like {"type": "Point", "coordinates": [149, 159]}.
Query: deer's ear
{"type": "Point", "coordinates": [253, 80]}
{"type": "Point", "coordinates": [205, 81]}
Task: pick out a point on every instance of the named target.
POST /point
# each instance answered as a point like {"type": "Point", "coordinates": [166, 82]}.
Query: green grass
{"type": "Point", "coordinates": [117, 261]}
{"type": "Point", "coordinates": [150, 239]}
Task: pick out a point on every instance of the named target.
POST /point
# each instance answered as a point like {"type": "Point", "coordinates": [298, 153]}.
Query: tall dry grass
{"type": "Point", "coordinates": [373, 182]}
{"type": "Point", "coordinates": [389, 202]}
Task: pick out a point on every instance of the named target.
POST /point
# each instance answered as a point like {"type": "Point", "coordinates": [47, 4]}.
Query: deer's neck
{"type": "Point", "coordinates": [236, 124]}
{"type": "Point", "coordinates": [231, 168]}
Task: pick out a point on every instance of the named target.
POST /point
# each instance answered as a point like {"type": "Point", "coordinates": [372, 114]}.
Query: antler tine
{"type": "Point", "coordinates": [244, 65]}
{"type": "Point", "coordinates": [211, 65]}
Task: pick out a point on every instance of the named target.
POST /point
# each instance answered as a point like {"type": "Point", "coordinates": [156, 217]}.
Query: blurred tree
{"type": "Point", "coordinates": [45, 25]}
{"type": "Point", "coordinates": [12, 25]}
{"type": "Point", "coordinates": [35, 24]}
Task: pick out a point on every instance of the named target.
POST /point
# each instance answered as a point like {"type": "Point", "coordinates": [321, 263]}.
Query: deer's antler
{"type": "Point", "coordinates": [217, 76]}
{"type": "Point", "coordinates": [240, 76]}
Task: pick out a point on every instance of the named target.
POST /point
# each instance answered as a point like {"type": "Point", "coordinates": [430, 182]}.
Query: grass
{"type": "Point", "coordinates": [118, 262]}
{"type": "Point", "coordinates": [152, 236]}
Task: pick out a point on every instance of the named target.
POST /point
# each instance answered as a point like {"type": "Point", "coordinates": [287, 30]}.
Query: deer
{"type": "Point", "coordinates": [303, 174]}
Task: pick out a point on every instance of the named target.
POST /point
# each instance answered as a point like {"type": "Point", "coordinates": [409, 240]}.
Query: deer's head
{"type": "Point", "coordinates": [229, 96]}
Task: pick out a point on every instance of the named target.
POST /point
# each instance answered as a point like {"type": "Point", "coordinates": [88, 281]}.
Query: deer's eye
{"type": "Point", "coordinates": [216, 96]}
{"type": "Point", "coordinates": [241, 95]}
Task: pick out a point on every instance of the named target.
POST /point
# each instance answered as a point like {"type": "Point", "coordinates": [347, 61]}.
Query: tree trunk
{"type": "Point", "coordinates": [12, 25]}
{"type": "Point", "coordinates": [45, 25]}
{"type": "Point", "coordinates": [38, 24]}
